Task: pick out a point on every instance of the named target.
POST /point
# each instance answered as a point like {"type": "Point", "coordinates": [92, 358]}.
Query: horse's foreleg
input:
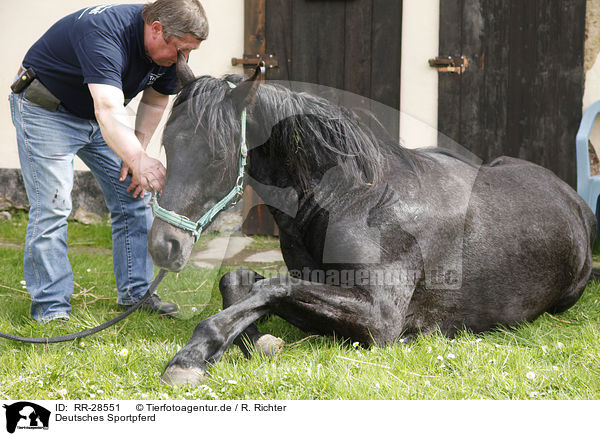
{"type": "Point", "coordinates": [234, 287]}
{"type": "Point", "coordinates": [367, 314]}
{"type": "Point", "coordinates": [362, 314]}
{"type": "Point", "coordinates": [212, 337]}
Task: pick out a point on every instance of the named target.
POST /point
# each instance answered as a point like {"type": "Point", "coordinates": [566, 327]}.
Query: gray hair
{"type": "Point", "coordinates": [178, 17]}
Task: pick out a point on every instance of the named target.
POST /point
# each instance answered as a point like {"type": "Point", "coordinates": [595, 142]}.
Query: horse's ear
{"type": "Point", "coordinates": [244, 94]}
{"type": "Point", "coordinates": [184, 72]}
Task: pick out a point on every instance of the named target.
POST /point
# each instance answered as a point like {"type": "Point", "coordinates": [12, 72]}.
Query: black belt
{"type": "Point", "coordinates": [35, 91]}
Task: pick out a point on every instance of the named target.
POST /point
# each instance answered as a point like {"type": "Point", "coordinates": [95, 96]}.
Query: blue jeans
{"type": "Point", "coordinates": [48, 142]}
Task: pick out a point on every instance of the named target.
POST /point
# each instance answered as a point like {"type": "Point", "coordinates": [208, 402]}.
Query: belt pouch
{"type": "Point", "coordinates": [37, 93]}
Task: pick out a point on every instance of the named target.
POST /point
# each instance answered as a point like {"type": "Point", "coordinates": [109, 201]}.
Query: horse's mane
{"type": "Point", "coordinates": [312, 133]}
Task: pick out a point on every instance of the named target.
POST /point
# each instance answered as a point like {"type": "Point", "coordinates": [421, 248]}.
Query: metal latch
{"type": "Point", "coordinates": [252, 60]}
{"type": "Point", "coordinates": [450, 64]}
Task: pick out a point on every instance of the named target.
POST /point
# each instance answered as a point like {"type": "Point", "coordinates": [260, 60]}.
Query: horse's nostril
{"type": "Point", "coordinates": [174, 249]}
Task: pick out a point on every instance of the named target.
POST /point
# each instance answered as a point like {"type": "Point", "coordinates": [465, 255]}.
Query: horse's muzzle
{"type": "Point", "coordinates": [169, 246]}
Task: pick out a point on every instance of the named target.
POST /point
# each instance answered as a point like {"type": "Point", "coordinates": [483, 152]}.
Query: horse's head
{"type": "Point", "coordinates": [202, 144]}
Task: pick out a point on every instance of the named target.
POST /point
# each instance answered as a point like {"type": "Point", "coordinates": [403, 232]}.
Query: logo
{"type": "Point", "coordinates": [152, 78]}
{"type": "Point", "coordinates": [99, 9]}
{"type": "Point", "coordinates": [25, 415]}
{"type": "Point", "coordinates": [95, 10]}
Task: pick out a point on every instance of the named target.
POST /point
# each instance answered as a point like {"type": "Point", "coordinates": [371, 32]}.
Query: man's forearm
{"type": "Point", "coordinates": [119, 136]}
{"type": "Point", "coordinates": [147, 173]}
{"type": "Point", "coordinates": [149, 113]}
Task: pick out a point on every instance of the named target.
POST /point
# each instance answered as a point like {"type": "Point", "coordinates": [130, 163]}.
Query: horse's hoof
{"type": "Point", "coordinates": [269, 345]}
{"type": "Point", "coordinates": [177, 376]}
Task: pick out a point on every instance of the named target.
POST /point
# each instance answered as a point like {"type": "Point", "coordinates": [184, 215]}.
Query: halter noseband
{"type": "Point", "coordinates": [196, 227]}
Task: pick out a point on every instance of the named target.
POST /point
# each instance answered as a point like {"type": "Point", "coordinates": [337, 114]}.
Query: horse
{"type": "Point", "coordinates": [381, 243]}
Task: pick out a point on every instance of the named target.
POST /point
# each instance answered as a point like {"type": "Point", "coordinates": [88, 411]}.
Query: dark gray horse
{"type": "Point", "coordinates": [380, 242]}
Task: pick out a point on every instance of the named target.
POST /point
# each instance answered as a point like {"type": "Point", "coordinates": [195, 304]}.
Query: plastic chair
{"type": "Point", "coordinates": [588, 186]}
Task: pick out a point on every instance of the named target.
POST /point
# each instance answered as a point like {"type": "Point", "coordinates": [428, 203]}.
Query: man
{"type": "Point", "coordinates": [88, 66]}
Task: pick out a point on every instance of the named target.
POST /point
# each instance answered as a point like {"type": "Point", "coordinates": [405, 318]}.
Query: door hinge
{"type": "Point", "coordinates": [450, 64]}
{"type": "Point", "coordinates": [252, 60]}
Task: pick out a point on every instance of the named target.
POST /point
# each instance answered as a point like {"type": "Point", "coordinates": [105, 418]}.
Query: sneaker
{"type": "Point", "coordinates": [155, 305]}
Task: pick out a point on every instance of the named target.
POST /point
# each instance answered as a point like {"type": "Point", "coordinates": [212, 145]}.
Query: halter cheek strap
{"type": "Point", "coordinates": [196, 227]}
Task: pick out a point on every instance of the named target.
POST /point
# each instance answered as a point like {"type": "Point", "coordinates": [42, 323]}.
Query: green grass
{"type": "Point", "coordinates": [551, 358]}
{"type": "Point", "coordinates": [264, 242]}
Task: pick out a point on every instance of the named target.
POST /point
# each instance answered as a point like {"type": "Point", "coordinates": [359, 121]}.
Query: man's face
{"type": "Point", "coordinates": [164, 53]}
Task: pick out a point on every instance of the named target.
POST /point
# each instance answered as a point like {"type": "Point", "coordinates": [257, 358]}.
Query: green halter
{"type": "Point", "coordinates": [196, 227]}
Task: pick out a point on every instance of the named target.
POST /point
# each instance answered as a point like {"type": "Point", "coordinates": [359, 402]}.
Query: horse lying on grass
{"type": "Point", "coordinates": [380, 242]}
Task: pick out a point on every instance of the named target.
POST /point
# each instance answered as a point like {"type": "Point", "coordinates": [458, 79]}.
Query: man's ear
{"type": "Point", "coordinates": [184, 72]}
{"type": "Point", "coordinates": [243, 94]}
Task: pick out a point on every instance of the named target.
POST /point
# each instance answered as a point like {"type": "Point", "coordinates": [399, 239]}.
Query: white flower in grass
{"type": "Point", "coordinates": [427, 383]}
{"type": "Point", "coordinates": [194, 309]}
{"type": "Point", "coordinates": [89, 270]}
{"type": "Point", "coordinates": [62, 392]}
{"type": "Point", "coordinates": [555, 368]}
{"type": "Point", "coordinates": [440, 358]}
{"type": "Point", "coordinates": [41, 383]}
{"type": "Point", "coordinates": [355, 344]}
{"type": "Point", "coordinates": [164, 396]}
{"type": "Point", "coordinates": [124, 352]}
{"type": "Point", "coordinates": [92, 395]}
{"type": "Point", "coordinates": [429, 350]}
{"type": "Point", "coordinates": [560, 345]}
{"type": "Point", "coordinates": [82, 344]}
{"type": "Point", "coordinates": [451, 356]}
{"type": "Point", "coordinates": [530, 375]}
{"type": "Point", "coordinates": [533, 394]}
{"type": "Point", "coordinates": [209, 391]}
{"type": "Point", "coordinates": [144, 396]}
{"type": "Point", "coordinates": [23, 282]}
{"type": "Point", "coordinates": [232, 382]}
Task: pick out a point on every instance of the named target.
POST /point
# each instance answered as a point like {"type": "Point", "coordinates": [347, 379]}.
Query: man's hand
{"type": "Point", "coordinates": [148, 174]}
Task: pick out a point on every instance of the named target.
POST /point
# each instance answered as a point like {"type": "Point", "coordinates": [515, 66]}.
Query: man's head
{"type": "Point", "coordinates": [171, 26]}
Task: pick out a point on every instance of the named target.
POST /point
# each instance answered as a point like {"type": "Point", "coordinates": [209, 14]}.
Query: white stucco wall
{"type": "Point", "coordinates": [419, 82]}
{"type": "Point", "coordinates": [22, 23]}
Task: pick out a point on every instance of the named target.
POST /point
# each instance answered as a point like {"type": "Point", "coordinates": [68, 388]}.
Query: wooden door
{"type": "Point", "coordinates": [351, 45]}
{"type": "Point", "coordinates": [521, 94]}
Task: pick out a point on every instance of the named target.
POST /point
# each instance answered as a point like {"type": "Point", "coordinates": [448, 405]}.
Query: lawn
{"type": "Point", "coordinates": [555, 357]}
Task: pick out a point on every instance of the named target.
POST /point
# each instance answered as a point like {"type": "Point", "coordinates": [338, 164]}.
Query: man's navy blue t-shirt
{"type": "Point", "coordinates": [101, 44]}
